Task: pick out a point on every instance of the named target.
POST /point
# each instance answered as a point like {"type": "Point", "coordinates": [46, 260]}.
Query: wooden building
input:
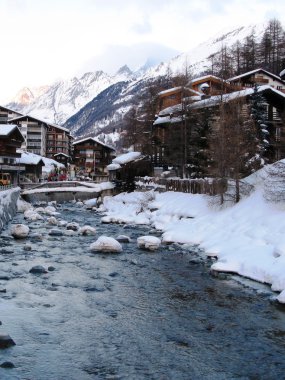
{"type": "Point", "coordinates": [174, 123]}
{"type": "Point", "coordinates": [259, 77]}
{"type": "Point", "coordinates": [210, 85]}
{"type": "Point", "coordinates": [91, 157]}
{"type": "Point", "coordinates": [7, 114]}
{"type": "Point", "coordinates": [174, 96]}
{"type": "Point", "coordinates": [34, 132]}
{"type": "Point", "coordinates": [10, 139]}
{"type": "Point", "coordinates": [59, 143]}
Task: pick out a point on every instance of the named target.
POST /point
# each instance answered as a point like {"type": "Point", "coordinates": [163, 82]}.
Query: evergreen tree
{"type": "Point", "coordinates": [258, 108]}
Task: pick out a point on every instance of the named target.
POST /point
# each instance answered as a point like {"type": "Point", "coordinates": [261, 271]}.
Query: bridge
{"type": "Point", "coordinates": [65, 191]}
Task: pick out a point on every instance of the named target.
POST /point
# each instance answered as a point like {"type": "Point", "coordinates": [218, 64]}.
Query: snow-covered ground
{"type": "Point", "coordinates": [247, 238]}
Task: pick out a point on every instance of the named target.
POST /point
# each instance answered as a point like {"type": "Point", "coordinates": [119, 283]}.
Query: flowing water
{"type": "Point", "coordinates": [134, 315]}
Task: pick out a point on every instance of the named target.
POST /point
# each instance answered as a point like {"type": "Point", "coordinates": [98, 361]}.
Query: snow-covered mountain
{"type": "Point", "coordinates": [57, 102]}
{"type": "Point", "coordinates": [96, 102]}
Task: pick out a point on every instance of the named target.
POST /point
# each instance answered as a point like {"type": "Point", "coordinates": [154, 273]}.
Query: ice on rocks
{"type": "Point", "coordinates": [52, 220]}
{"type": "Point", "coordinates": [106, 244]}
{"type": "Point", "coordinates": [72, 226]}
{"type": "Point", "coordinates": [124, 239]}
{"type": "Point", "coordinates": [32, 215]}
{"type": "Point", "coordinates": [87, 230]}
{"type": "Point", "coordinates": [151, 243]}
{"type": "Point", "coordinates": [20, 231]}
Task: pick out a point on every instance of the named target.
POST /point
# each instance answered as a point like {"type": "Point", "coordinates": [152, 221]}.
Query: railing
{"type": "Point", "coordinates": [208, 186]}
{"type": "Point", "coordinates": [6, 187]}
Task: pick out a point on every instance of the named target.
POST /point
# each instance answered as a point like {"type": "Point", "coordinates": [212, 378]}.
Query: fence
{"type": "Point", "coordinates": [208, 186]}
{"type": "Point", "coordinates": [6, 187]}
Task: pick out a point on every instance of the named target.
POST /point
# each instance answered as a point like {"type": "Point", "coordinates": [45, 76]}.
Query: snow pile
{"type": "Point", "coordinates": [127, 208]}
{"type": "Point", "coordinates": [247, 238]}
{"type": "Point", "coordinates": [106, 244]}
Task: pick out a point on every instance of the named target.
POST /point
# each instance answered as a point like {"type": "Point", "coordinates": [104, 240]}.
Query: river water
{"type": "Point", "coordinates": [134, 315]}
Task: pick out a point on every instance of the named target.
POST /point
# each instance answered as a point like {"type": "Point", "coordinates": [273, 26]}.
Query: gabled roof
{"type": "Point", "coordinates": [61, 154]}
{"type": "Point", "coordinates": [172, 114]}
{"type": "Point", "coordinates": [176, 89]}
{"type": "Point", "coordinates": [244, 75]}
{"type": "Point", "coordinates": [7, 129]}
{"type": "Point", "coordinates": [206, 78]}
{"type": "Point", "coordinates": [93, 139]}
{"type": "Point", "coordinates": [10, 109]}
{"type": "Point", "coordinates": [37, 119]}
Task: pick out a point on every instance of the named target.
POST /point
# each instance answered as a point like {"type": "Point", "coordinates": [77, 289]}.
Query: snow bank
{"type": "Point", "coordinates": [247, 238]}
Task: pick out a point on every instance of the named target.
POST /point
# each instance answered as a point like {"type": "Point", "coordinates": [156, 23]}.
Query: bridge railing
{"type": "Point", "coordinates": [6, 187]}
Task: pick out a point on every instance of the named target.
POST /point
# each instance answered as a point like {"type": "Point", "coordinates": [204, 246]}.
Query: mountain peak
{"type": "Point", "coordinates": [125, 70]}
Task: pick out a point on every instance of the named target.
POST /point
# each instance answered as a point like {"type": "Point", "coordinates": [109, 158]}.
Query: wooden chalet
{"type": "Point", "coordinates": [210, 85]}
{"type": "Point", "coordinates": [174, 96]}
{"type": "Point", "coordinates": [171, 125]}
{"type": "Point", "coordinates": [258, 77]}
{"type": "Point", "coordinates": [10, 139]}
{"type": "Point", "coordinates": [32, 164]}
{"type": "Point", "coordinates": [62, 158]}
{"type": "Point", "coordinates": [91, 157]}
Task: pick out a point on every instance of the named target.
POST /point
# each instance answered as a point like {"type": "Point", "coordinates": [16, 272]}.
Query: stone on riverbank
{"type": "Point", "coordinates": [106, 244]}
{"type": "Point", "coordinates": [150, 243]}
{"type": "Point", "coordinates": [20, 231]}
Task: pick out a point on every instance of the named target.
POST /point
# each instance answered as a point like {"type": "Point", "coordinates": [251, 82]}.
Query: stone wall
{"type": "Point", "coordinates": [8, 205]}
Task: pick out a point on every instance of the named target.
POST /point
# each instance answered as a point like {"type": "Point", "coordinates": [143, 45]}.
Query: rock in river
{"type": "Point", "coordinates": [20, 231]}
{"type": "Point", "coordinates": [38, 269]}
{"type": "Point", "coordinates": [6, 341]}
{"type": "Point", "coordinates": [106, 244]}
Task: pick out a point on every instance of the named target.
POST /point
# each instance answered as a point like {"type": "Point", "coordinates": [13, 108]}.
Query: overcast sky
{"type": "Point", "coordinates": [44, 40]}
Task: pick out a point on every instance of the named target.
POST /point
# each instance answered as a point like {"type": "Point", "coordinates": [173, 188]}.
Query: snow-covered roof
{"type": "Point", "coordinates": [6, 129]}
{"type": "Point", "coordinates": [127, 157]}
{"type": "Point", "coordinates": [40, 120]}
{"type": "Point", "coordinates": [93, 139]}
{"type": "Point", "coordinates": [61, 154]}
{"type": "Point", "coordinates": [165, 116]}
{"type": "Point", "coordinates": [205, 78]}
{"type": "Point", "coordinates": [10, 109]}
{"type": "Point", "coordinates": [113, 167]}
{"type": "Point", "coordinates": [282, 74]}
{"type": "Point", "coordinates": [169, 90]}
{"type": "Point", "coordinates": [28, 158]}
{"type": "Point", "coordinates": [253, 72]}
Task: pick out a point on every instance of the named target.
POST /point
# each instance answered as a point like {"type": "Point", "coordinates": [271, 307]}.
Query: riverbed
{"type": "Point", "coordinates": [133, 315]}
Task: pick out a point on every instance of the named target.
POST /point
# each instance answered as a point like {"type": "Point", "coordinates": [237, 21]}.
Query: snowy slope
{"type": "Point", "coordinates": [62, 99]}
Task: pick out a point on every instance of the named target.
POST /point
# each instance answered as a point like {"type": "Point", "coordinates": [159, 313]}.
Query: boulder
{"type": "Point", "coordinates": [72, 226]}
{"type": "Point", "coordinates": [52, 220]}
{"type": "Point", "coordinates": [106, 244]}
{"type": "Point", "coordinates": [124, 239]}
{"type": "Point", "coordinates": [87, 230]}
{"type": "Point", "coordinates": [55, 232]}
{"type": "Point", "coordinates": [6, 341]}
{"type": "Point", "coordinates": [20, 231]}
{"type": "Point", "coordinates": [38, 269]}
{"type": "Point", "coordinates": [150, 243]}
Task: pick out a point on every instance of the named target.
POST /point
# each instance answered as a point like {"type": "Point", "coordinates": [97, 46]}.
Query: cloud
{"type": "Point", "coordinates": [135, 56]}
{"type": "Point", "coordinates": [142, 28]}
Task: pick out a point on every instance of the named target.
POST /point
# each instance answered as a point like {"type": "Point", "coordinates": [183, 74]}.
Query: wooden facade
{"type": "Point", "coordinates": [172, 125]}
{"type": "Point", "coordinates": [59, 141]}
{"type": "Point", "coordinates": [10, 140]}
{"type": "Point", "coordinates": [211, 85]}
{"type": "Point", "coordinates": [174, 96]}
{"type": "Point", "coordinates": [91, 157]}
{"type": "Point", "coordinates": [259, 77]}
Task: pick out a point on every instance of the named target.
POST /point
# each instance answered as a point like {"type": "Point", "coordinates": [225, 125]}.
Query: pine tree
{"type": "Point", "coordinates": [258, 107]}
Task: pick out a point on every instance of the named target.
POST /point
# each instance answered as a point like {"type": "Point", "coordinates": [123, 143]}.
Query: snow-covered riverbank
{"type": "Point", "coordinates": [247, 238]}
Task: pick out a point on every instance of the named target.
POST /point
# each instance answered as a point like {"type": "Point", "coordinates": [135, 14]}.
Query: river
{"type": "Point", "coordinates": [134, 315]}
